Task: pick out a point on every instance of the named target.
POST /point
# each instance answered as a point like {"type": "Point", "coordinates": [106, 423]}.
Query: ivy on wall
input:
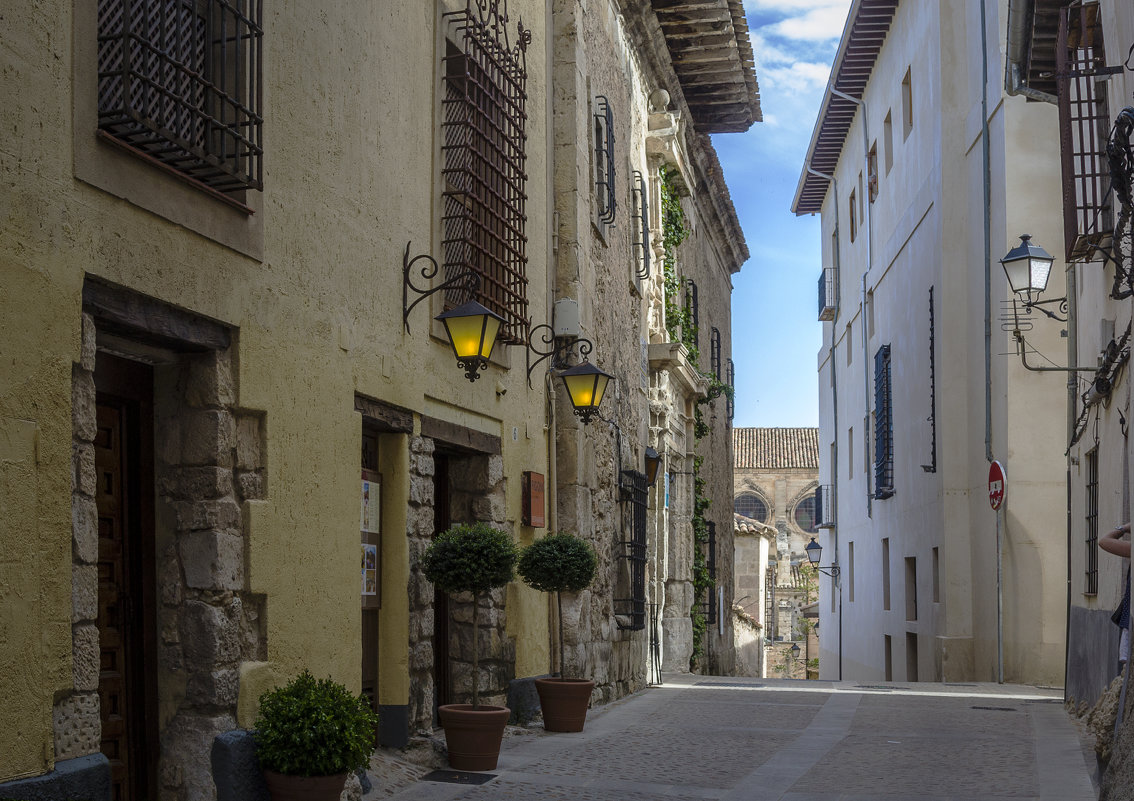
{"type": "Point", "coordinates": [679, 325]}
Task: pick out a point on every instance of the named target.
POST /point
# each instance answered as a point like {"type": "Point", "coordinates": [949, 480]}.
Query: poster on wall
{"type": "Point", "coordinates": [369, 568]}
{"type": "Point", "coordinates": [371, 502]}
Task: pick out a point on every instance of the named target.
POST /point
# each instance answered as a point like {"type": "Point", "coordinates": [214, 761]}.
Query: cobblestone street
{"type": "Point", "coordinates": [702, 738]}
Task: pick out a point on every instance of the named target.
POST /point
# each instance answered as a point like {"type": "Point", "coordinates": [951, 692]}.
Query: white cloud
{"type": "Point", "coordinates": [818, 24]}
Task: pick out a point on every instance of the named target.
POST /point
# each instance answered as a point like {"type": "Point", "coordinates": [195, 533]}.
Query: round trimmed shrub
{"type": "Point", "coordinates": [558, 563]}
{"type": "Point", "coordinates": [470, 557]}
{"type": "Point", "coordinates": [314, 727]}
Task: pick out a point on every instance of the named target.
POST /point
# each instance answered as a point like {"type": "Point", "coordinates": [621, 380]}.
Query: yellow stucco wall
{"type": "Point", "coordinates": [350, 177]}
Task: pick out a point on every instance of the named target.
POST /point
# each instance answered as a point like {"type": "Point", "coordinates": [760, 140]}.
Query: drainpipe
{"type": "Point", "coordinates": [987, 161]}
{"type": "Point", "coordinates": [835, 405]}
{"type": "Point", "coordinates": [1015, 55]}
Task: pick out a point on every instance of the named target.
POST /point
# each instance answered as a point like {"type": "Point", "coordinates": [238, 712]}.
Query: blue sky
{"type": "Point", "coordinates": [775, 333]}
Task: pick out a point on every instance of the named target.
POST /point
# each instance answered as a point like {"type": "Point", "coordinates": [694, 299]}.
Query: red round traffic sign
{"type": "Point", "coordinates": [996, 485]}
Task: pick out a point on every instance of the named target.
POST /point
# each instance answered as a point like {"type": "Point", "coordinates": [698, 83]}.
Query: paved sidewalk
{"type": "Point", "coordinates": [698, 738]}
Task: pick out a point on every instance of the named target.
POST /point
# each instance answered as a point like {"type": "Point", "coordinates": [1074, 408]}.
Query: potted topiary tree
{"type": "Point", "coordinates": [309, 735]}
{"type": "Point", "coordinates": [561, 563]}
{"type": "Point", "coordinates": [473, 558]}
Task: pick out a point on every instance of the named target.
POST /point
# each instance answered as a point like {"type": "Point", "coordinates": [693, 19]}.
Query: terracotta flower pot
{"type": "Point", "coordinates": [564, 702]}
{"type": "Point", "coordinates": [304, 788]}
{"type": "Point", "coordinates": [473, 736]}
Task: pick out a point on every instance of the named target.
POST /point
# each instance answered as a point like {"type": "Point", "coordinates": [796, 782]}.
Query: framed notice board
{"type": "Point", "coordinates": [370, 524]}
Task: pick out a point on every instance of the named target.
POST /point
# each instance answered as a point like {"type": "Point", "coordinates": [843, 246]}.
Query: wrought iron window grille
{"type": "Point", "coordinates": [655, 679]}
{"type": "Point", "coordinates": [604, 160]}
{"type": "Point", "coordinates": [883, 426]}
{"type": "Point", "coordinates": [640, 219]}
{"type": "Point", "coordinates": [825, 506]}
{"type": "Point", "coordinates": [1091, 586]}
{"type": "Point", "coordinates": [827, 306]}
{"type": "Point", "coordinates": [711, 566]}
{"type": "Point", "coordinates": [180, 82]}
{"type": "Point", "coordinates": [932, 419]}
{"type": "Point", "coordinates": [1084, 119]}
{"type": "Point", "coordinates": [630, 606]}
{"type": "Point", "coordinates": [483, 213]}
{"type": "Point", "coordinates": [692, 307]}
{"type": "Point", "coordinates": [715, 352]}
{"type": "Point", "coordinates": [730, 379]}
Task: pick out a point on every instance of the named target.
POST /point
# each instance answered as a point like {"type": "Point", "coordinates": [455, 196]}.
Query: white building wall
{"type": "Point", "coordinates": [926, 229]}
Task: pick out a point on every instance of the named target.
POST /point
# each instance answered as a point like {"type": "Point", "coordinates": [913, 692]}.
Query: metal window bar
{"type": "Point", "coordinates": [1084, 123]}
{"type": "Point", "coordinates": [827, 295]}
{"type": "Point", "coordinates": [180, 81]}
{"type": "Point", "coordinates": [655, 678]}
{"type": "Point", "coordinates": [640, 228]}
{"type": "Point", "coordinates": [630, 609]}
{"type": "Point", "coordinates": [770, 603]}
{"type": "Point", "coordinates": [692, 306]}
{"type": "Point", "coordinates": [711, 566]}
{"type": "Point", "coordinates": [883, 426]}
{"type": "Point", "coordinates": [824, 506]}
{"type": "Point", "coordinates": [932, 466]}
{"type": "Point", "coordinates": [483, 157]}
{"type": "Point", "coordinates": [715, 352]}
{"type": "Point", "coordinates": [730, 379]}
{"type": "Point", "coordinates": [604, 160]}
{"type": "Point", "coordinates": [1092, 543]}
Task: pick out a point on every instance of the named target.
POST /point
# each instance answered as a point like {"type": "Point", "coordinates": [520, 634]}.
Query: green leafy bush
{"type": "Point", "coordinates": [314, 727]}
{"type": "Point", "coordinates": [558, 563]}
{"type": "Point", "coordinates": [471, 557]}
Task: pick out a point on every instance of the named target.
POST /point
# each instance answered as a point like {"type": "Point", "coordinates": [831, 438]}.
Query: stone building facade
{"type": "Point", "coordinates": [214, 399]}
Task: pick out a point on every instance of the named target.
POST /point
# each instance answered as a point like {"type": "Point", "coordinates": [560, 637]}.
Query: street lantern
{"type": "Point", "coordinates": [814, 552]}
{"type": "Point", "coordinates": [795, 650]}
{"type": "Point", "coordinates": [472, 331]}
{"type": "Point", "coordinates": [1027, 266]}
{"type": "Point", "coordinates": [653, 462]}
{"type": "Point", "coordinates": [585, 386]}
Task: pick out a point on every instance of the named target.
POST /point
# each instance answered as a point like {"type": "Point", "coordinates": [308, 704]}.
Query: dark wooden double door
{"type": "Point", "coordinates": [126, 583]}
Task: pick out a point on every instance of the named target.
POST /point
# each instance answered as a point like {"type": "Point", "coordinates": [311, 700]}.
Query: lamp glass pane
{"type": "Point", "coordinates": [1018, 274]}
{"type": "Point", "coordinates": [472, 336]}
{"type": "Point", "coordinates": [1040, 270]}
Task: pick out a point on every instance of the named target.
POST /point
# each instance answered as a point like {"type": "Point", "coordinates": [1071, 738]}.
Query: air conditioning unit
{"type": "Point", "coordinates": [827, 283]}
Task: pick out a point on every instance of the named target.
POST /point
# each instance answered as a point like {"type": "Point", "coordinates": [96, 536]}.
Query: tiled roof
{"type": "Point", "coordinates": [746, 525]}
{"type": "Point", "coordinates": [775, 448]}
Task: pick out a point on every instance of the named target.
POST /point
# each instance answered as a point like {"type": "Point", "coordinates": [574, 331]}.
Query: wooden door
{"type": "Point", "coordinates": [370, 604]}
{"type": "Point", "coordinates": [127, 687]}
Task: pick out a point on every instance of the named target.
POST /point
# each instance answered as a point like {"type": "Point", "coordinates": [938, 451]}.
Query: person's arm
{"type": "Point", "coordinates": [1112, 541]}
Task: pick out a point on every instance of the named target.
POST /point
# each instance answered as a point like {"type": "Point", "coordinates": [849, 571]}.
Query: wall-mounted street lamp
{"type": "Point", "coordinates": [585, 383]}
{"type": "Point", "coordinates": [795, 650]}
{"type": "Point", "coordinates": [471, 327]}
{"type": "Point", "coordinates": [814, 556]}
{"type": "Point", "coordinates": [653, 462]}
{"type": "Point", "coordinates": [1028, 266]}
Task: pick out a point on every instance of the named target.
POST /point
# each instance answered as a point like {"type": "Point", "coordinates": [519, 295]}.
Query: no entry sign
{"type": "Point", "coordinates": [995, 485]}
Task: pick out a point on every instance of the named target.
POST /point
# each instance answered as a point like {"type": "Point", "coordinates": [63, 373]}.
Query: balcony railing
{"type": "Point", "coordinates": [824, 506]}
{"type": "Point", "coordinates": [827, 294]}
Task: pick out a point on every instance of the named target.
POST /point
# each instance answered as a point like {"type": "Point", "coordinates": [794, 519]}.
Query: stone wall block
{"type": "Point", "coordinates": [84, 420]}
{"type": "Point", "coordinates": [210, 381]}
{"type": "Point", "coordinates": [249, 442]}
{"type": "Point", "coordinates": [84, 479]}
{"type": "Point", "coordinates": [84, 593]}
{"type": "Point", "coordinates": [214, 688]}
{"type": "Point", "coordinates": [421, 656]}
{"type": "Point", "coordinates": [169, 576]}
{"type": "Point", "coordinates": [85, 657]}
{"type": "Point", "coordinates": [213, 560]}
{"type": "Point", "coordinates": [219, 514]}
{"type": "Point", "coordinates": [489, 507]}
{"type": "Point", "coordinates": [421, 625]}
{"type": "Point", "coordinates": [422, 464]}
{"type": "Point", "coordinates": [192, 483]}
{"type": "Point", "coordinates": [495, 471]}
{"type": "Point", "coordinates": [422, 591]}
{"type": "Point", "coordinates": [421, 491]}
{"type": "Point", "coordinates": [186, 747]}
{"type": "Point", "coordinates": [209, 636]}
{"type": "Point", "coordinates": [250, 485]}
{"type": "Point", "coordinates": [84, 530]}
{"type": "Point", "coordinates": [77, 725]}
{"type": "Point", "coordinates": [89, 347]}
{"type": "Point", "coordinates": [207, 438]}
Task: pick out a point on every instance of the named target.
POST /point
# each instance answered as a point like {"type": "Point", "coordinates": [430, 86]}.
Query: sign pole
{"type": "Point", "coordinates": [997, 485]}
{"type": "Point", "coordinates": [999, 603]}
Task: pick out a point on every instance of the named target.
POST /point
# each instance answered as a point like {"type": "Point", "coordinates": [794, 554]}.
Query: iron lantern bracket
{"type": "Point", "coordinates": [466, 278]}
{"type": "Point", "coordinates": [557, 351]}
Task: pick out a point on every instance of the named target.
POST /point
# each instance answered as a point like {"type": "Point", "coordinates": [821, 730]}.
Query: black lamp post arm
{"type": "Point", "coordinates": [469, 279]}
{"type": "Point", "coordinates": [556, 351]}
